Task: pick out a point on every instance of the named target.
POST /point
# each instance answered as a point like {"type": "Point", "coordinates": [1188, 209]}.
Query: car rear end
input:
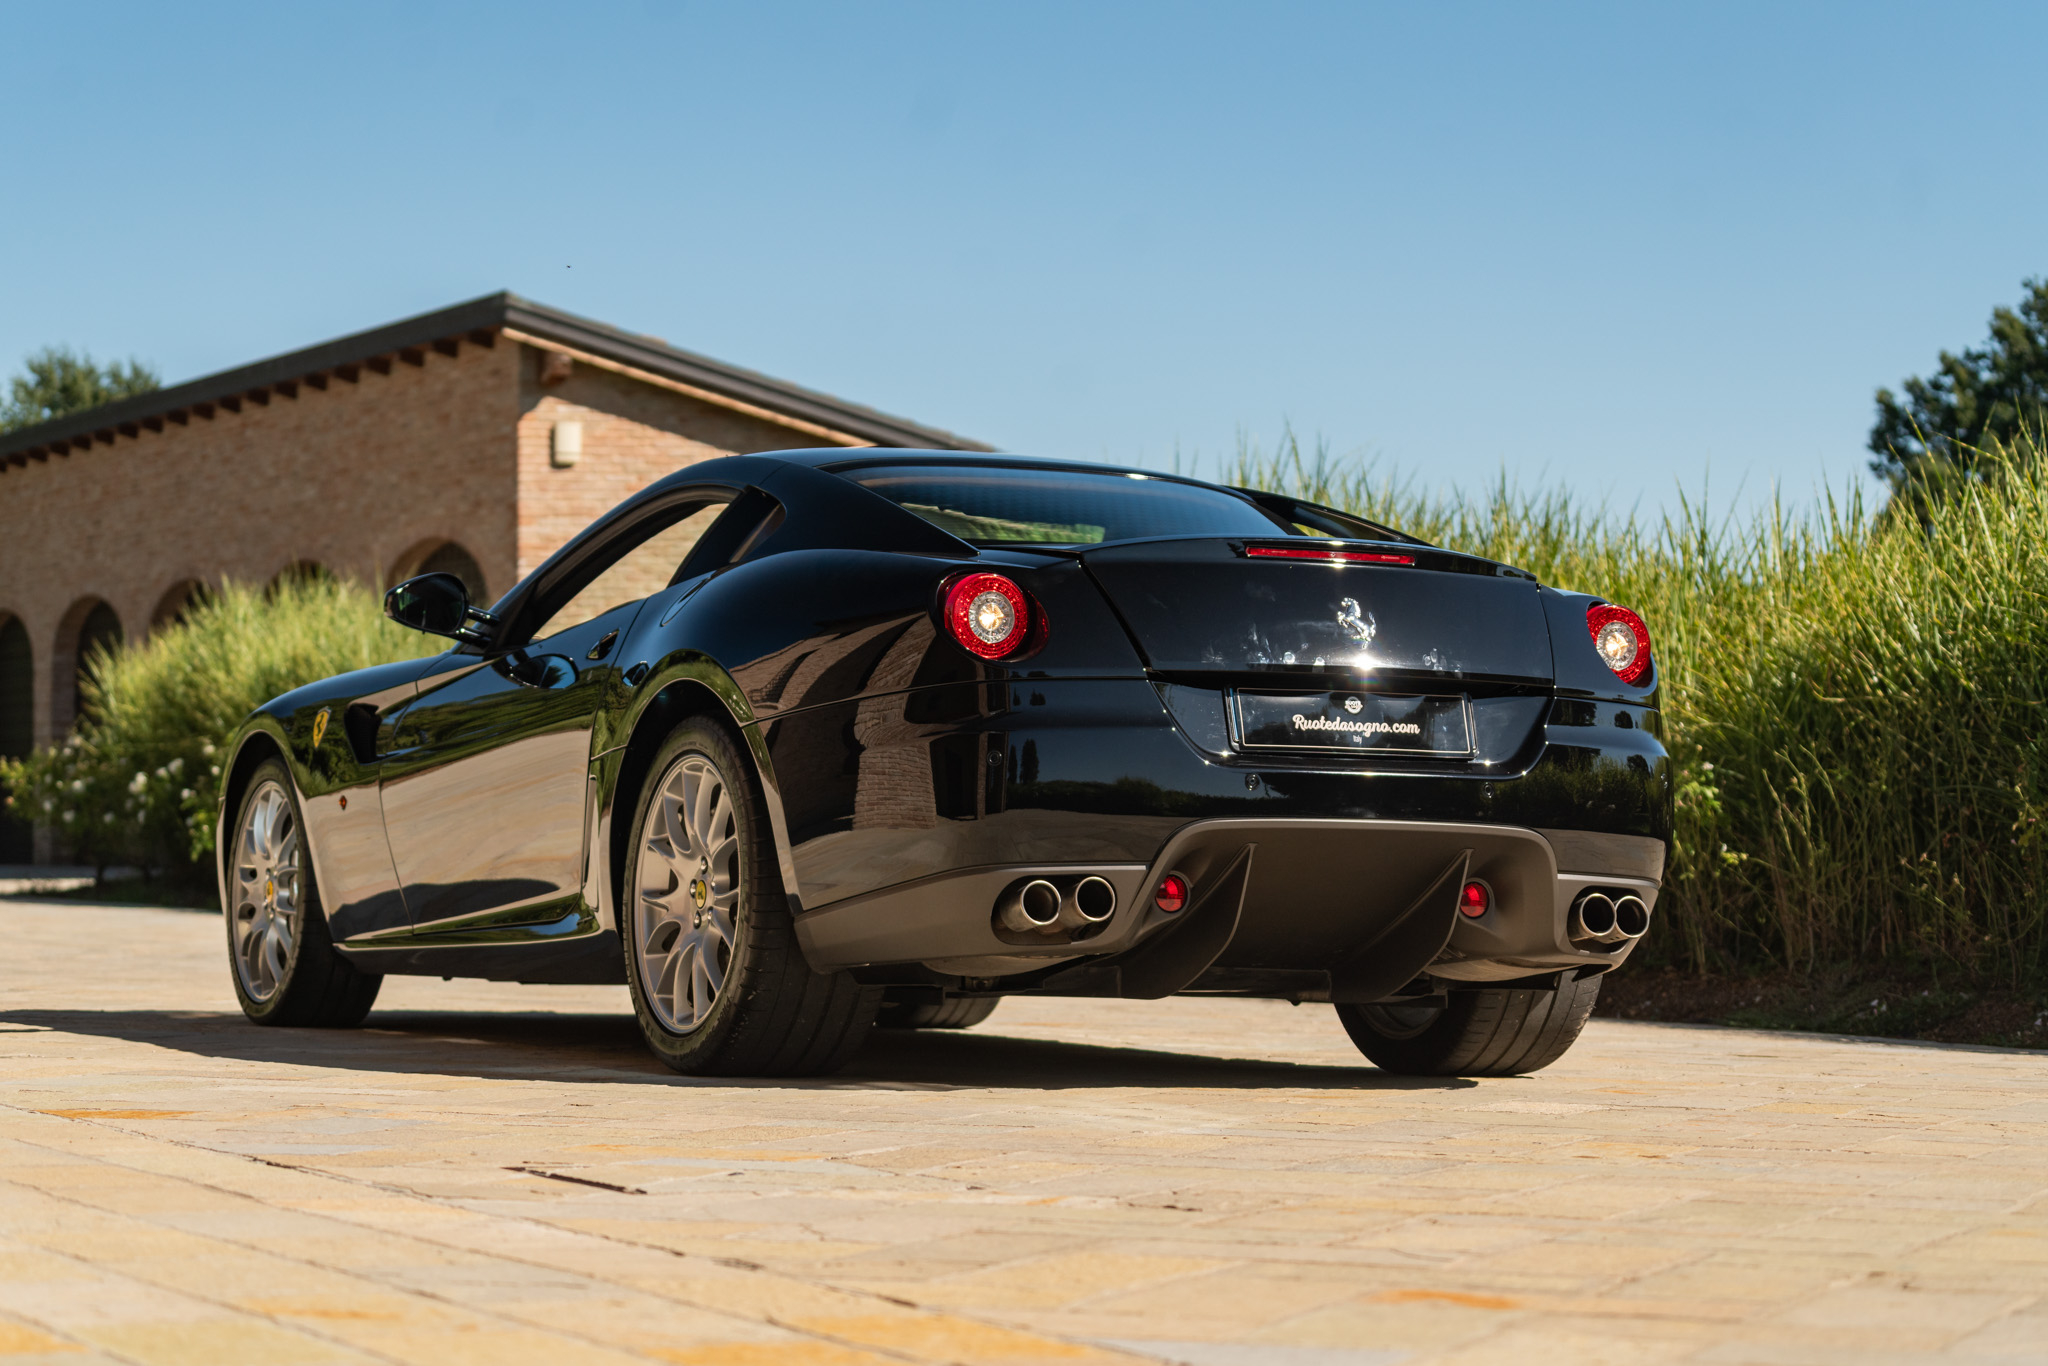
{"type": "Point", "coordinates": [1242, 745]}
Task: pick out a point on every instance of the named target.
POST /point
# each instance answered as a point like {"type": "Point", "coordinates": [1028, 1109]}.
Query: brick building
{"type": "Point", "coordinates": [476, 439]}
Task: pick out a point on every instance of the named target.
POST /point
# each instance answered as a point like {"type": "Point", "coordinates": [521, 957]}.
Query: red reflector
{"type": "Point", "coordinates": [1290, 552]}
{"type": "Point", "coordinates": [1172, 893]}
{"type": "Point", "coordinates": [1475, 899]}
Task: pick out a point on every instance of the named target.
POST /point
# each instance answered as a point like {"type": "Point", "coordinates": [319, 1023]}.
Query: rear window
{"type": "Point", "coordinates": [1012, 505]}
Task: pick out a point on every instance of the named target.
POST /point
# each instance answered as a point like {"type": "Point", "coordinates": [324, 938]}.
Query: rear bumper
{"type": "Point", "coordinates": [1318, 908]}
{"type": "Point", "coordinates": [907, 815]}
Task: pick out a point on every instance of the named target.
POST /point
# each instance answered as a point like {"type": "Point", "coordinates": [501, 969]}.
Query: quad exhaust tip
{"type": "Point", "coordinates": [1091, 901]}
{"type": "Point", "coordinates": [1631, 917]}
{"type": "Point", "coordinates": [1608, 919]}
{"type": "Point", "coordinates": [1041, 906]}
{"type": "Point", "coordinates": [1030, 907]}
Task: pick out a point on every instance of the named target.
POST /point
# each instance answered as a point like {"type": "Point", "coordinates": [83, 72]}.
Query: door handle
{"type": "Point", "coordinates": [539, 671]}
{"type": "Point", "coordinates": [603, 647]}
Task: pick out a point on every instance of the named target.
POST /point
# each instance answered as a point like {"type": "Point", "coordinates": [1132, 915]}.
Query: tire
{"type": "Point", "coordinates": [280, 953]}
{"type": "Point", "coordinates": [1490, 1032]}
{"type": "Point", "coordinates": [954, 1012]}
{"type": "Point", "coordinates": [719, 983]}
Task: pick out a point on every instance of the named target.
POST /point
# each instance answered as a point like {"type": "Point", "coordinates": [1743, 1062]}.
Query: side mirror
{"type": "Point", "coordinates": [439, 605]}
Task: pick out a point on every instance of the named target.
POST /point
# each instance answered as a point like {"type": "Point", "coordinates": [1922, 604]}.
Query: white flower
{"type": "Point", "coordinates": [141, 781]}
{"type": "Point", "coordinates": [78, 784]}
{"type": "Point", "coordinates": [206, 750]}
{"type": "Point", "coordinates": [216, 770]}
{"type": "Point", "coordinates": [161, 773]}
{"type": "Point", "coordinates": [110, 818]}
{"type": "Point", "coordinates": [176, 766]}
{"type": "Point", "coordinates": [70, 816]}
{"type": "Point", "coordinates": [186, 795]}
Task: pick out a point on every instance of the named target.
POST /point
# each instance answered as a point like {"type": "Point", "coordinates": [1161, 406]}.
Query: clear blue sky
{"type": "Point", "coordinates": [1617, 246]}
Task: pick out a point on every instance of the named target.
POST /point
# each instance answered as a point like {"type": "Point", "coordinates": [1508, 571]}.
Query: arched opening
{"type": "Point", "coordinates": [444, 557]}
{"type": "Point", "coordinates": [179, 599]}
{"type": "Point", "coordinates": [89, 629]}
{"type": "Point", "coordinates": [17, 730]}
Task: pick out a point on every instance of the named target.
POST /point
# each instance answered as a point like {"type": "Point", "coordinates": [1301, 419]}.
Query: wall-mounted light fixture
{"type": "Point", "coordinates": [565, 446]}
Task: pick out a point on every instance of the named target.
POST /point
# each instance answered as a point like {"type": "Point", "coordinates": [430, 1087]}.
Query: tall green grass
{"type": "Point", "coordinates": [1854, 702]}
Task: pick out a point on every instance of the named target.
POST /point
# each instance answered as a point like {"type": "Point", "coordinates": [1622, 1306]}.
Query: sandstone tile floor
{"type": "Point", "coordinates": [498, 1174]}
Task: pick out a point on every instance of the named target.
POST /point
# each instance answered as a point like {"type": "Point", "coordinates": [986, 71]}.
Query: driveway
{"type": "Point", "coordinates": [499, 1174]}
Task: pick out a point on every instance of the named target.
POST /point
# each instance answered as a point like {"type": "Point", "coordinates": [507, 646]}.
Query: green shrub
{"type": "Point", "coordinates": [1854, 702]}
{"type": "Point", "coordinates": [139, 780]}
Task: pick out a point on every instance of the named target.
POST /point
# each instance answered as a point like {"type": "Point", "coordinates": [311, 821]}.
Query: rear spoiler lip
{"type": "Point", "coordinates": [1423, 556]}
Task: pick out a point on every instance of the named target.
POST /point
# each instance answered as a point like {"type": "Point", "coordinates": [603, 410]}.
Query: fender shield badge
{"type": "Point", "coordinates": [320, 726]}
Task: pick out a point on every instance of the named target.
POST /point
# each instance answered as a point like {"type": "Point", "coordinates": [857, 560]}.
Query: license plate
{"type": "Point", "coordinates": [1352, 722]}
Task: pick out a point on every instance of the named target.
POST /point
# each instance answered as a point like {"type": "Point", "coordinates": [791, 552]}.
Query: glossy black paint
{"type": "Point", "coordinates": [487, 788]}
{"type": "Point", "coordinates": [1204, 607]}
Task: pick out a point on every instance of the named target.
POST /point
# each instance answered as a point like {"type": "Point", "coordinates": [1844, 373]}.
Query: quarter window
{"type": "Point", "coordinates": [644, 562]}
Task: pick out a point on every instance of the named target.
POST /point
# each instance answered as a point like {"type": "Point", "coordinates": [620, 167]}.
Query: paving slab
{"type": "Point", "coordinates": [500, 1173]}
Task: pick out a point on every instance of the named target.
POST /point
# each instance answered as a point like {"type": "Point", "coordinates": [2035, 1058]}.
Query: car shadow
{"type": "Point", "coordinates": [608, 1048]}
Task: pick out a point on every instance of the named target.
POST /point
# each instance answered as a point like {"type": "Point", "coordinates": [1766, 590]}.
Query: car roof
{"type": "Point", "coordinates": [836, 458]}
{"type": "Point", "coordinates": [736, 471]}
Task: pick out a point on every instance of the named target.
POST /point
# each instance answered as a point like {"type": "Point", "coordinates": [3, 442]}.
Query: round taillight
{"type": "Point", "coordinates": [1621, 640]}
{"type": "Point", "coordinates": [1172, 893]}
{"type": "Point", "coordinates": [1474, 899]}
{"type": "Point", "coordinates": [988, 614]}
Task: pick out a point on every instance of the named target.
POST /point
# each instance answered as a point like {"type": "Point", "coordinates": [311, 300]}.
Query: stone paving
{"type": "Point", "coordinates": [498, 1174]}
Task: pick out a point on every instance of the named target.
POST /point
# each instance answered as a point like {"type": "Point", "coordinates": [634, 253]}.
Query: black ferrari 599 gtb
{"type": "Point", "coordinates": [797, 741]}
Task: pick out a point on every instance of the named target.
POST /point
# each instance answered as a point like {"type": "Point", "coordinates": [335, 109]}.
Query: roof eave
{"type": "Point", "coordinates": [478, 320]}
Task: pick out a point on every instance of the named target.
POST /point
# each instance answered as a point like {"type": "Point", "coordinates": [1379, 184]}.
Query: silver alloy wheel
{"type": "Point", "coordinates": [1402, 1021]}
{"type": "Point", "coordinates": [264, 916]}
{"type": "Point", "coordinates": [688, 886]}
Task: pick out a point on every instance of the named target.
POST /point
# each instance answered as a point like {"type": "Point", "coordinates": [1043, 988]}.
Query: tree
{"type": "Point", "coordinates": [1992, 398]}
{"type": "Point", "coordinates": [57, 382]}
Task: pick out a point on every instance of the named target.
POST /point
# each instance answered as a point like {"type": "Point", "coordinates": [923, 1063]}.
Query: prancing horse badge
{"type": "Point", "coordinates": [1355, 621]}
{"type": "Point", "coordinates": [320, 726]}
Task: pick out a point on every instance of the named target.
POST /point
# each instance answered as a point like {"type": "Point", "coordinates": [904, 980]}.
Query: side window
{"type": "Point", "coordinates": [634, 571]}
{"type": "Point", "coordinates": [749, 521]}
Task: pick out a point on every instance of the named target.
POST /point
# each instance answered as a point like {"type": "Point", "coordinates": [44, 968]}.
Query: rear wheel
{"type": "Point", "coordinates": [285, 968]}
{"type": "Point", "coordinates": [717, 978]}
{"type": "Point", "coordinates": [1489, 1032]}
{"type": "Point", "coordinates": [954, 1012]}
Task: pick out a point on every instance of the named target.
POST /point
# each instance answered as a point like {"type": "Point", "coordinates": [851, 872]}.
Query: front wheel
{"type": "Point", "coordinates": [285, 967]}
{"type": "Point", "coordinates": [718, 980]}
{"type": "Point", "coordinates": [1487, 1032]}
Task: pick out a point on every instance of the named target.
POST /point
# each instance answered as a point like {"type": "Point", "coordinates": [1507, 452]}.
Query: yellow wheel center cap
{"type": "Point", "coordinates": [269, 890]}
{"type": "Point", "coordinates": [700, 892]}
